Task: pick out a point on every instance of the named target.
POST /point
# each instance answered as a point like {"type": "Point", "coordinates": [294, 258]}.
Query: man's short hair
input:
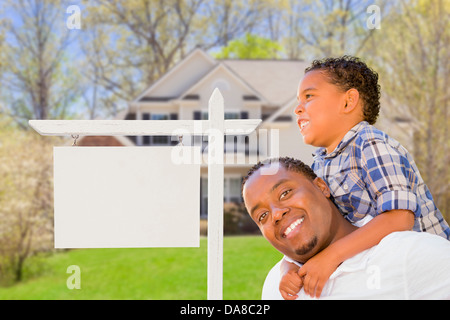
{"type": "Point", "coordinates": [349, 72]}
{"type": "Point", "coordinates": [287, 163]}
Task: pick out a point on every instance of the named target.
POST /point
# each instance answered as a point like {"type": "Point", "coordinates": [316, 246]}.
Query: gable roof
{"type": "Point", "coordinates": [222, 67]}
{"type": "Point", "coordinates": [286, 108]}
{"type": "Point", "coordinates": [195, 54]}
{"type": "Point", "coordinates": [274, 82]}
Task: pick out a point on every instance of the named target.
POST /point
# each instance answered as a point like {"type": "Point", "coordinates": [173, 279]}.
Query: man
{"type": "Point", "coordinates": [295, 214]}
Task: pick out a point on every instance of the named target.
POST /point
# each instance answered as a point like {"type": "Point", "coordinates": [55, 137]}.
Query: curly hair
{"type": "Point", "coordinates": [349, 72]}
{"type": "Point", "coordinates": [287, 163]}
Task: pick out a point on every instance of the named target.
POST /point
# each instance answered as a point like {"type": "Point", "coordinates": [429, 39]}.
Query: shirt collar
{"type": "Point", "coordinates": [349, 136]}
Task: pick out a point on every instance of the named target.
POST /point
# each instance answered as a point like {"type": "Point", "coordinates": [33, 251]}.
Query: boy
{"type": "Point", "coordinates": [368, 172]}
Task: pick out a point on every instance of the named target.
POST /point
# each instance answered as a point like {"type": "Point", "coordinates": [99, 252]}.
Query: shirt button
{"type": "Point", "coordinates": [345, 187]}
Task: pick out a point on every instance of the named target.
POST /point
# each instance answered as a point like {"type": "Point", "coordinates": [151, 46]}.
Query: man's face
{"type": "Point", "coordinates": [292, 212]}
{"type": "Point", "coordinates": [318, 110]}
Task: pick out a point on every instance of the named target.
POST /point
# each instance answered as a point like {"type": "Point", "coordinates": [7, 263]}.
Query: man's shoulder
{"type": "Point", "coordinates": [425, 263]}
{"type": "Point", "coordinates": [410, 253]}
{"type": "Point", "coordinates": [409, 242]}
{"type": "Point", "coordinates": [270, 289]}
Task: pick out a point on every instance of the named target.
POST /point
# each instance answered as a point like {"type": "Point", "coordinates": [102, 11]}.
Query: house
{"type": "Point", "coordinates": [252, 89]}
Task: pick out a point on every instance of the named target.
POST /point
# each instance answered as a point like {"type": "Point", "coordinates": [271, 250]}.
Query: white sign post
{"type": "Point", "coordinates": [215, 128]}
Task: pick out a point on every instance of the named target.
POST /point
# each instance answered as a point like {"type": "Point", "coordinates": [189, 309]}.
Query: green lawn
{"type": "Point", "coordinates": [151, 273]}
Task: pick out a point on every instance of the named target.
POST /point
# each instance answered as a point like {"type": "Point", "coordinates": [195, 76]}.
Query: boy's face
{"type": "Point", "coordinates": [318, 111]}
{"type": "Point", "coordinates": [292, 212]}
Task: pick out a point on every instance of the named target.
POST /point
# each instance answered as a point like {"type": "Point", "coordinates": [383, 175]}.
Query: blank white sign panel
{"type": "Point", "coordinates": [113, 197]}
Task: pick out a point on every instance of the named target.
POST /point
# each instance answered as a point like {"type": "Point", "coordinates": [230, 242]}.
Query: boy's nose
{"type": "Point", "coordinates": [299, 109]}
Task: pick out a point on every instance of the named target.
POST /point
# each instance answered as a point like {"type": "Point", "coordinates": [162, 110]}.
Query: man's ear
{"type": "Point", "coordinates": [351, 100]}
{"type": "Point", "coordinates": [322, 186]}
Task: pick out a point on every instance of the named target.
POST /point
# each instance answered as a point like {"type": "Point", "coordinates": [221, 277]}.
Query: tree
{"type": "Point", "coordinates": [26, 199]}
{"type": "Point", "coordinates": [414, 64]}
{"type": "Point", "coordinates": [222, 21]}
{"type": "Point", "coordinates": [318, 29]}
{"type": "Point", "coordinates": [251, 47]}
{"type": "Point", "coordinates": [35, 82]}
{"type": "Point", "coordinates": [130, 46]}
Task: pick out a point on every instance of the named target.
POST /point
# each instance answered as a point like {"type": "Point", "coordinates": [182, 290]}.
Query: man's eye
{"type": "Point", "coordinates": [308, 96]}
{"type": "Point", "coordinates": [262, 216]}
{"type": "Point", "coordinates": [284, 194]}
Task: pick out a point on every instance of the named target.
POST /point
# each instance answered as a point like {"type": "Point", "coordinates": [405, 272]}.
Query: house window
{"type": "Point", "coordinates": [232, 189]}
{"type": "Point", "coordinates": [203, 115]}
{"type": "Point", "coordinates": [200, 115]}
{"type": "Point", "coordinates": [232, 115]}
{"type": "Point", "coordinates": [160, 116]}
{"type": "Point", "coordinates": [160, 140]}
{"type": "Point", "coordinates": [231, 192]}
{"type": "Point", "coordinates": [157, 140]}
{"type": "Point", "coordinates": [204, 196]}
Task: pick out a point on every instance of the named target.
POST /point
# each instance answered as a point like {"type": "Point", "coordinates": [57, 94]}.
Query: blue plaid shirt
{"type": "Point", "coordinates": [370, 173]}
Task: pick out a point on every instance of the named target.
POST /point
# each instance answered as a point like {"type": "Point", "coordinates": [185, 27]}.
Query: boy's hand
{"type": "Point", "coordinates": [290, 285]}
{"type": "Point", "coordinates": [316, 272]}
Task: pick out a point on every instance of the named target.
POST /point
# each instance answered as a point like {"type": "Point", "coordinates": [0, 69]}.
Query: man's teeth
{"type": "Point", "coordinates": [304, 124]}
{"type": "Point", "coordinates": [293, 225]}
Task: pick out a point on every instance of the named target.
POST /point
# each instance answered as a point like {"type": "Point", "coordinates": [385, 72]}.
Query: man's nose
{"type": "Point", "coordinates": [278, 214]}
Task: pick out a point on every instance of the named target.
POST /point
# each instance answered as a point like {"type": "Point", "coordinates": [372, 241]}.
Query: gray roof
{"type": "Point", "coordinates": [276, 80]}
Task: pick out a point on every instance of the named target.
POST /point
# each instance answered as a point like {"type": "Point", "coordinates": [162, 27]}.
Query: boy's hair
{"type": "Point", "coordinates": [349, 72]}
{"type": "Point", "coordinates": [287, 163]}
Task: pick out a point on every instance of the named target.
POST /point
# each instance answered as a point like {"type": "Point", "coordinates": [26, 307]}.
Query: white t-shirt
{"type": "Point", "coordinates": [404, 265]}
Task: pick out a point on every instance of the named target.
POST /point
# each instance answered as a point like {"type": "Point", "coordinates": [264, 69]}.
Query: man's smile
{"type": "Point", "coordinates": [294, 226]}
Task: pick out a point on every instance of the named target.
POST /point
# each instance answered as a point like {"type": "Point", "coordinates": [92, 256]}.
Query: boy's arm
{"type": "Point", "coordinates": [319, 268]}
{"type": "Point", "coordinates": [290, 283]}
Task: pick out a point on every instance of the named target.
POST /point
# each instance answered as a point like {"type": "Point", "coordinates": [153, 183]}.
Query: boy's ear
{"type": "Point", "coordinates": [322, 186]}
{"type": "Point", "coordinates": [351, 100]}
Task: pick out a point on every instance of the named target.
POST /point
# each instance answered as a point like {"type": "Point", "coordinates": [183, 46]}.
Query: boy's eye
{"type": "Point", "coordinates": [308, 96]}
{"type": "Point", "coordinates": [284, 194]}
